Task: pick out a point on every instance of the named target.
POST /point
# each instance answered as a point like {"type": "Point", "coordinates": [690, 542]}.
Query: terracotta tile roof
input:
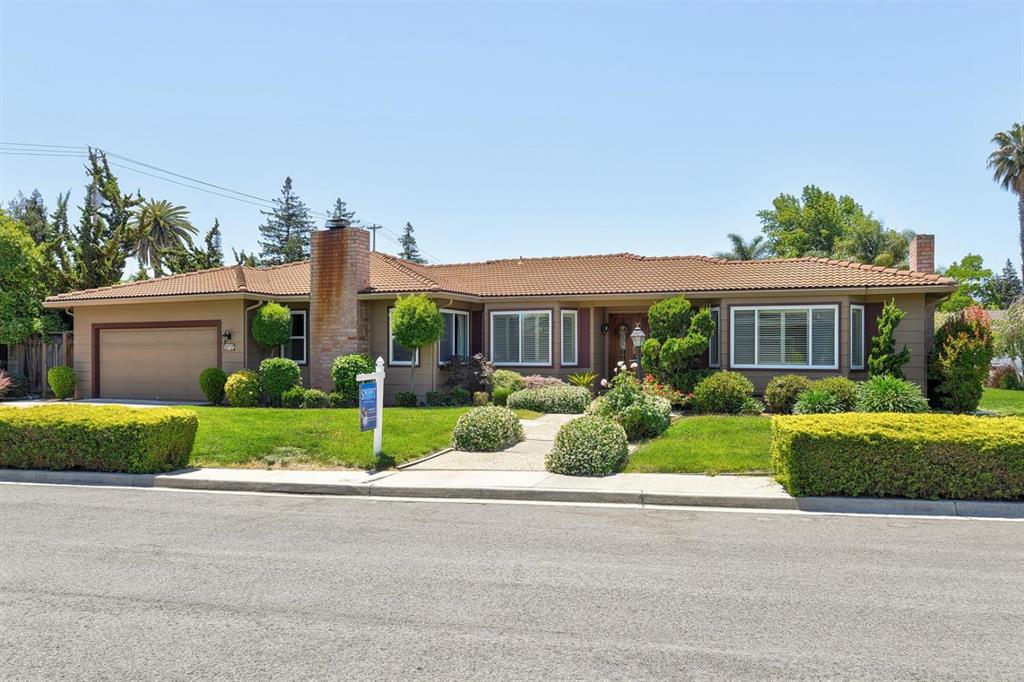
{"type": "Point", "coordinates": [620, 273]}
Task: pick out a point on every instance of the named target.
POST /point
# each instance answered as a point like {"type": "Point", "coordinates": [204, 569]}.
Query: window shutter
{"type": "Point", "coordinates": [743, 335]}
{"type": "Point", "coordinates": [795, 337]}
{"type": "Point", "coordinates": [476, 332]}
{"type": "Point", "coordinates": [823, 337]}
{"type": "Point", "coordinates": [506, 338]}
{"type": "Point", "coordinates": [769, 337]}
{"type": "Point", "coordinates": [584, 345]}
{"type": "Point", "coordinates": [569, 338]}
{"type": "Point", "coordinates": [856, 337]}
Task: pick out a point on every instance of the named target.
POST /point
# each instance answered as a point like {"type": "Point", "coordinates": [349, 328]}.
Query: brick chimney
{"type": "Point", "coordinates": [339, 324]}
{"type": "Point", "coordinates": [922, 253]}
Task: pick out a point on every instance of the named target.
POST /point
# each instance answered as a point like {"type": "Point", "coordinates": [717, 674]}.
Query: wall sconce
{"type": "Point", "coordinates": [605, 327]}
{"type": "Point", "coordinates": [227, 335]}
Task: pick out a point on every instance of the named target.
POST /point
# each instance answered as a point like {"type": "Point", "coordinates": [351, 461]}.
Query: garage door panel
{"type": "Point", "coordinates": [155, 364]}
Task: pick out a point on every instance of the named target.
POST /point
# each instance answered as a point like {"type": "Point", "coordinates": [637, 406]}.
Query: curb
{"type": "Point", "coordinates": [834, 505]}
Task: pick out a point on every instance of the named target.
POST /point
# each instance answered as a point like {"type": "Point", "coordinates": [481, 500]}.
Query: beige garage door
{"type": "Point", "coordinates": [155, 364]}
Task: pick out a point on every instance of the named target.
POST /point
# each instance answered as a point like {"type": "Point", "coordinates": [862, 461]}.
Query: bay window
{"type": "Point", "coordinates": [521, 337]}
{"type": "Point", "coordinates": [785, 337]}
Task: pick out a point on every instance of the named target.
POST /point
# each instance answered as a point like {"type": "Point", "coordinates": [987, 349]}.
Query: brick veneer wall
{"type": "Point", "coordinates": [339, 324]}
{"type": "Point", "coordinates": [922, 253]}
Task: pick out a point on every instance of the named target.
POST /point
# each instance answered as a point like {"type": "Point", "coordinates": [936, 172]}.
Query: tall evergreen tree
{"type": "Point", "coordinates": [30, 211]}
{"type": "Point", "coordinates": [410, 250]}
{"type": "Point", "coordinates": [285, 235]}
{"type": "Point", "coordinates": [341, 216]}
{"type": "Point", "coordinates": [1004, 288]}
{"type": "Point", "coordinates": [214, 248]}
{"type": "Point", "coordinates": [192, 258]}
{"type": "Point", "coordinates": [243, 258]}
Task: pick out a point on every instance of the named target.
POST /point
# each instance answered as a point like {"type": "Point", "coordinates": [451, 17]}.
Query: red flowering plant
{"type": "Point", "coordinates": [652, 386]}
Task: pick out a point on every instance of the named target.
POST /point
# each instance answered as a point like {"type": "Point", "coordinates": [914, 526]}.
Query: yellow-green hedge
{"type": "Point", "coordinates": [900, 455]}
{"type": "Point", "coordinates": [96, 438]}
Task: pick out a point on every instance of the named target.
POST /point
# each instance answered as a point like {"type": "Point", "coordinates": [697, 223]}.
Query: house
{"type": "Point", "coordinates": [550, 316]}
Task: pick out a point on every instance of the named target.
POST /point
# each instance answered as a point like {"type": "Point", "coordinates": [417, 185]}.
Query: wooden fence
{"type": "Point", "coordinates": [33, 357]}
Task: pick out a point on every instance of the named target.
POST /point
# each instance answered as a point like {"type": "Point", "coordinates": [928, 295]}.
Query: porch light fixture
{"type": "Point", "coordinates": [638, 341]}
{"type": "Point", "coordinates": [226, 335]}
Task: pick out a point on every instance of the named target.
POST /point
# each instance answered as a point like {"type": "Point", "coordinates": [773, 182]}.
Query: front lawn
{"type": "Point", "coordinates": [708, 444]}
{"type": "Point", "coordinates": [1002, 401]}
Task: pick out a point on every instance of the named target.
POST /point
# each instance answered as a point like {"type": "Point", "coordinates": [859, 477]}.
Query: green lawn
{"type": "Point", "coordinates": [1003, 401]}
{"type": "Point", "coordinates": [707, 444]}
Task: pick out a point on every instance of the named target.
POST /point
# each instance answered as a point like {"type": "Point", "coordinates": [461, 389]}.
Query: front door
{"type": "Point", "coordinates": [620, 345]}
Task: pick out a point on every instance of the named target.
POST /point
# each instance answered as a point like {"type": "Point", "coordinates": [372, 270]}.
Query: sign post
{"type": "Point", "coordinates": [371, 404]}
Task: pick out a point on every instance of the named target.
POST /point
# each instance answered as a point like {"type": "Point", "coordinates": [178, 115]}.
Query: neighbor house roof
{"type": "Point", "coordinates": [614, 274]}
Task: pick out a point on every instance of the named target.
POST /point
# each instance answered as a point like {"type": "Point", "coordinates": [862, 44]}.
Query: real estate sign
{"type": "Point", "coordinates": [371, 404]}
{"type": "Point", "coordinates": [367, 405]}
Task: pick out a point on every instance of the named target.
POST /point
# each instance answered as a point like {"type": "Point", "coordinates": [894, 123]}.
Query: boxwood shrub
{"type": "Point", "coordinates": [243, 388]}
{"type": "Point", "coordinates": [62, 381]}
{"type": "Point", "coordinates": [723, 393]}
{"type": "Point", "coordinates": [344, 371]}
{"type": "Point", "coordinates": [500, 395]}
{"type": "Point", "coordinates": [507, 379]}
{"type": "Point", "coordinates": [211, 383]}
{"type": "Point", "coordinates": [900, 455]}
{"type": "Point", "coordinates": [563, 399]}
{"type": "Point", "coordinates": [487, 429]}
{"type": "Point", "coordinates": [277, 375]}
{"type": "Point", "coordinates": [588, 446]}
{"type": "Point", "coordinates": [782, 391]}
{"type": "Point", "coordinates": [405, 399]}
{"type": "Point", "coordinates": [97, 438]}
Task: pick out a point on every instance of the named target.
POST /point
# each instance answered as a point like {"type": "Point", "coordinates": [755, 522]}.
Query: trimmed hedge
{"type": "Point", "coordinates": [900, 455]}
{"type": "Point", "coordinates": [563, 399]}
{"type": "Point", "coordinates": [97, 438]}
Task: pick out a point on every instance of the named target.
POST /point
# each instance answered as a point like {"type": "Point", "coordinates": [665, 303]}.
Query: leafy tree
{"type": "Point", "coordinates": [160, 227]}
{"type": "Point", "coordinates": [1003, 288]}
{"type": "Point", "coordinates": [284, 237]}
{"type": "Point", "coordinates": [410, 250]}
{"type": "Point", "coordinates": [416, 322]}
{"type": "Point", "coordinates": [20, 299]}
{"type": "Point", "coordinates": [960, 360]}
{"type": "Point", "coordinates": [867, 241]}
{"type": "Point", "coordinates": [973, 281]}
{"type": "Point", "coordinates": [1007, 165]}
{"type": "Point", "coordinates": [883, 360]}
{"type": "Point", "coordinates": [30, 211]}
{"type": "Point", "coordinates": [756, 249]}
{"type": "Point", "coordinates": [679, 337]}
{"type": "Point", "coordinates": [341, 216]}
{"type": "Point", "coordinates": [1009, 334]}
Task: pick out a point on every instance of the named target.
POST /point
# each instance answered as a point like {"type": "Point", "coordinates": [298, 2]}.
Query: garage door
{"type": "Point", "coordinates": [155, 364]}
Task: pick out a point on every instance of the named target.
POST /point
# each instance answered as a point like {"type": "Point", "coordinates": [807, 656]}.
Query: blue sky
{"type": "Point", "coordinates": [537, 129]}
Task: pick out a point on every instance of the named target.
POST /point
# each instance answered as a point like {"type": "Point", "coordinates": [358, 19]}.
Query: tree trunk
{"type": "Point", "coordinates": [412, 372]}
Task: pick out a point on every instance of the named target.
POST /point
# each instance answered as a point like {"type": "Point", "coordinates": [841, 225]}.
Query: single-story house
{"type": "Point", "coordinates": [549, 316]}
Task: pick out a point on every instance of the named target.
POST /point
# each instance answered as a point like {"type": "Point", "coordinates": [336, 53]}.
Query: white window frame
{"type": "Point", "coordinates": [863, 341]}
{"type": "Point", "coordinates": [391, 348]}
{"type": "Point", "coordinates": [574, 314]}
{"type": "Point", "coordinates": [717, 310]}
{"type": "Point", "coordinates": [469, 335]}
{"type": "Point", "coordinates": [305, 334]}
{"type": "Point", "coordinates": [521, 313]}
{"type": "Point", "coordinates": [834, 307]}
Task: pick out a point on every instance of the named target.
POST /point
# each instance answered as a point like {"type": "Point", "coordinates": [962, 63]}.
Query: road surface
{"type": "Point", "coordinates": [157, 584]}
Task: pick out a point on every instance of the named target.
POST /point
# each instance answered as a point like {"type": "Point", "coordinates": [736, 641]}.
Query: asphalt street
{"type": "Point", "coordinates": [157, 584]}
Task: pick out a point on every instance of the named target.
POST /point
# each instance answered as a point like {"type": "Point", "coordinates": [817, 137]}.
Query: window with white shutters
{"type": "Point", "coordinates": [569, 335]}
{"type": "Point", "coordinates": [782, 337]}
{"type": "Point", "coordinates": [521, 338]}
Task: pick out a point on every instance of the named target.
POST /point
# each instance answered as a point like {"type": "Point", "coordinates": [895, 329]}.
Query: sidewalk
{"type": "Point", "coordinates": [739, 492]}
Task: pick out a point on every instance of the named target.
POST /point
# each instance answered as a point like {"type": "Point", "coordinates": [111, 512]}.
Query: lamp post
{"type": "Point", "coordinates": [638, 341]}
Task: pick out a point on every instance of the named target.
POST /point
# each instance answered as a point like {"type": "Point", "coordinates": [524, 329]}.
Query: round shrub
{"type": "Point", "coordinates": [277, 375]}
{"type": "Point", "coordinates": [211, 382]}
{"type": "Point", "coordinates": [293, 397]}
{"type": "Point", "coordinates": [782, 391]}
{"type": "Point", "coordinates": [844, 390]}
{"type": "Point", "coordinates": [722, 393]}
{"type": "Point", "coordinates": [481, 398]}
{"type": "Point", "coordinates": [405, 399]}
{"type": "Point", "coordinates": [563, 399]}
{"type": "Point", "coordinates": [344, 371]}
{"type": "Point", "coordinates": [243, 389]}
{"type": "Point", "coordinates": [62, 381]}
{"type": "Point", "coordinates": [588, 446]}
{"type": "Point", "coordinates": [816, 401]}
{"type": "Point", "coordinates": [887, 393]}
{"type": "Point", "coordinates": [337, 400]}
{"type": "Point", "coordinates": [314, 398]}
{"type": "Point", "coordinates": [487, 429]}
{"type": "Point", "coordinates": [645, 417]}
{"type": "Point", "coordinates": [272, 325]}
{"type": "Point", "coordinates": [499, 396]}
{"type": "Point", "coordinates": [507, 379]}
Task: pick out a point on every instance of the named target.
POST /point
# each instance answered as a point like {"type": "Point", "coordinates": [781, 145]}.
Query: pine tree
{"type": "Point", "coordinates": [883, 359]}
{"type": "Point", "coordinates": [340, 216]}
{"type": "Point", "coordinates": [214, 249]}
{"type": "Point", "coordinates": [285, 235]}
{"type": "Point", "coordinates": [1004, 288]}
{"type": "Point", "coordinates": [410, 250]}
{"type": "Point", "coordinates": [192, 258]}
{"type": "Point", "coordinates": [243, 258]}
{"type": "Point", "coordinates": [31, 212]}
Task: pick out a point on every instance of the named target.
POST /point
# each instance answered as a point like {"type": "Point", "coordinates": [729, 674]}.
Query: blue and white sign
{"type": "Point", "coordinates": [371, 404]}
{"type": "Point", "coordinates": [367, 405]}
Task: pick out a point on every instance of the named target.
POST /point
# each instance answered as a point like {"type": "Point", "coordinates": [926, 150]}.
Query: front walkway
{"type": "Point", "coordinates": [525, 456]}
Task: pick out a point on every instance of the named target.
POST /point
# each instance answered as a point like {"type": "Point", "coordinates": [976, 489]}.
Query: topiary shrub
{"type": "Point", "coordinates": [539, 381]}
{"type": "Point", "coordinates": [895, 455]}
{"type": "Point", "coordinates": [97, 438]}
{"type": "Point", "coordinates": [588, 446]}
{"type": "Point", "coordinates": [507, 379]}
{"type": "Point", "coordinates": [62, 381]}
{"type": "Point", "coordinates": [487, 429]}
{"type": "Point", "coordinates": [816, 401]}
{"type": "Point", "coordinates": [272, 325]}
{"type": "Point", "coordinates": [344, 371]}
{"type": "Point", "coordinates": [405, 399]}
{"type": "Point", "coordinates": [960, 360]}
{"type": "Point", "coordinates": [499, 396]}
{"type": "Point", "coordinates": [293, 397]}
{"type": "Point", "coordinates": [678, 338]}
{"type": "Point", "coordinates": [313, 398]}
{"type": "Point", "coordinates": [887, 393]}
{"type": "Point", "coordinates": [211, 383]}
{"type": "Point", "coordinates": [844, 390]}
{"type": "Point", "coordinates": [416, 322]}
{"type": "Point", "coordinates": [563, 399]}
{"type": "Point", "coordinates": [277, 375]}
{"type": "Point", "coordinates": [481, 398]}
{"type": "Point", "coordinates": [781, 393]}
{"type": "Point", "coordinates": [243, 389]}
{"type": "Point", "coordinates": [722, 393]}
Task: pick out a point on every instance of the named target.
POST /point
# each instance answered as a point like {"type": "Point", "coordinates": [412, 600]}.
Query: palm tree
{"type": "Point", "coordinates": [1007, 164]}
{"type": "Point", "coordinates": [756, 249]}
{"type": "Point", "coordinates": [160, 226]}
